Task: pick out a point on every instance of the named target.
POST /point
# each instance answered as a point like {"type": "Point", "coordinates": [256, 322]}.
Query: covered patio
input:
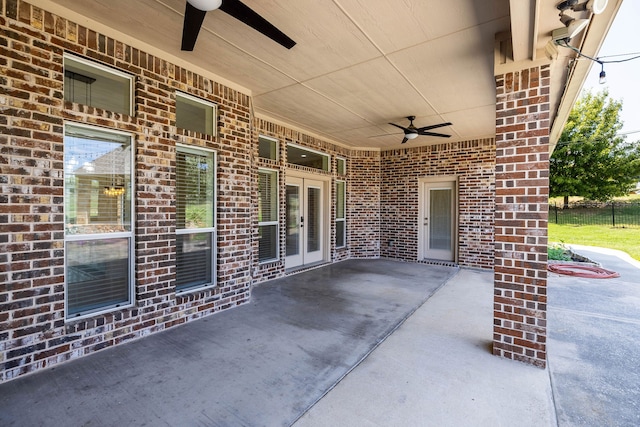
{"type": "Point", "coordinates": [204, 173]}
{"type": "Point", "coordinates": [270, 361]}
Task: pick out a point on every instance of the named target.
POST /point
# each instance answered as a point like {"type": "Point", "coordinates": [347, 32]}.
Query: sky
{"type": "Point", "coordinates": [623, 79]}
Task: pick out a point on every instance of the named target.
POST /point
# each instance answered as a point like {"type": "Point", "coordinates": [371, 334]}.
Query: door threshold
{"type": "Point", "coordinates": [301, 268]}
{"type": "Point", "coordinates": [438, 262]}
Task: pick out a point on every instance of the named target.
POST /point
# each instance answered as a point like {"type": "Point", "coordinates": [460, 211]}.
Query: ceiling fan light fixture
{"type": "Point", "coordinates": [411, 135]}
{"type": "Point", "coordinates": [205, 5]}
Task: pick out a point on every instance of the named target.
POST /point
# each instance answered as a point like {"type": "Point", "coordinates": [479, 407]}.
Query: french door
{"type": "Point", "coordinates": [305, 222]}
{"type": "Point", "coordinates": [437, 221]}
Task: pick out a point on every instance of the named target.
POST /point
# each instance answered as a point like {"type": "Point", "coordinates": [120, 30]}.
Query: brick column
{"type": "Point", "coordinates": [522, 188]}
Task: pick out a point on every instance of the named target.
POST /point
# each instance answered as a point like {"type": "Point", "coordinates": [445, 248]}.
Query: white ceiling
{"type": "Point", "coordinates": [357, 64]}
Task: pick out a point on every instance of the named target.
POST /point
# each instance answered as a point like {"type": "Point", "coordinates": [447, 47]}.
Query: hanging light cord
{"type": "Point", "coordinates": [599, 60]}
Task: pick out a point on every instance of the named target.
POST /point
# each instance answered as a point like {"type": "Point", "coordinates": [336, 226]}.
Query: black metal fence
{"type": "Point", "coordinates": [612, 214]}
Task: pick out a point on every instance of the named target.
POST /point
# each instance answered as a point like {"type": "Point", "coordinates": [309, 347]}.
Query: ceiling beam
{"type": "Point", "coordinates": [523, 16]}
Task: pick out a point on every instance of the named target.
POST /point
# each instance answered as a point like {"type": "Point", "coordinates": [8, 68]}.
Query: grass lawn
{"type": "Point", "coordinates": [623, 239]}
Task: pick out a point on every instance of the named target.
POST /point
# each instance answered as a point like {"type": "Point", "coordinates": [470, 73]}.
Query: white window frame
{"type": "Point", "coordinates": [275, 222]}
{"type": "Point", "coordinates": [197, 150]}
{"type": "Point", "coordinates": [343, 219]}
{"type": "Point", "coordinates": [105, 236]}
{"type": "Point", "coordinates": [98, 66]}
{"type": "Point", "coordinates": [277, 150]}
{"type": "Point", "coordinates": [213, 130]}
{"type": "Point", "coordinates": [344, 163]}
{"type": "Point", "coordinates": [320, 153]}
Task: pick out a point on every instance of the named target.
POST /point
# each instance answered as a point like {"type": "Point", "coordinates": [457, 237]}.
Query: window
{"type": "Point", "coordinates": [195, 114]}
{"type": "Point", "coordinates": [268, 215]}
{"type": "Point", "coordinates": [341, 166]}
{"type": "Point", "coordinates": [341, 224]}
{"type": "Point", "coordinates": [195, 218]}
{"type": "Point", "coordinates": [98, 225]}
{"type": "Point", "coordinates": [304, 157]}
{"type": "Point", "coordinates": [89, 83]}
{"type": "Point", "coordinates": [268, 148]}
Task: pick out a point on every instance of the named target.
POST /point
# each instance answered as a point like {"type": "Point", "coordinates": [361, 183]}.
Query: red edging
{"type": "Point", "coordinates": [588, 271]}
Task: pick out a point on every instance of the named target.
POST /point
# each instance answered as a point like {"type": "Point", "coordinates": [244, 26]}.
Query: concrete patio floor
{"type": "Point", "coordinates": [360, 343]}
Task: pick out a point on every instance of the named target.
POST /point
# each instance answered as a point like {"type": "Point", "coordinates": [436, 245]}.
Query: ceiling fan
{"type": "Point", "coordinates": [412, 132]}
{"type": "Point", "coordinates": [197, 9]}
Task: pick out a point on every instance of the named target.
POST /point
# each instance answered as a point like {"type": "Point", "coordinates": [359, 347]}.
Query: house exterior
{"type": "Point", "coordinates": [140, 193]}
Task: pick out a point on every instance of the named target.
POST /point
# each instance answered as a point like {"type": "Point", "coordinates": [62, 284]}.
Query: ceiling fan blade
{"type": "Point", "coordinates": [441, 135]}
{"type": "Point", "coordinates": [405, 139]}
{"type": "Point", "coordinates": [400, 127]}
{"type": "Point", "coordinates": [433, 126]}
{"type": "Point", "coordinates": [193, 18]}
{"type": "Point", "coordinates": [245, 14]}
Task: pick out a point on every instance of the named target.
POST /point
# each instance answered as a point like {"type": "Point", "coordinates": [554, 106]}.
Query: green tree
{"type": "Point", "coordinates": [591, 160]}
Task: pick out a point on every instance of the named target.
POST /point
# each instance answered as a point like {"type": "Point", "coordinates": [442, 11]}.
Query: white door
{"type": "Point", "coordinates": [438, 220]}
{"type": "Point", "coordinates": [305, 224]}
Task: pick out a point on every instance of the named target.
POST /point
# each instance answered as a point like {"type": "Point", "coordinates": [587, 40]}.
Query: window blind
{"type": "Point", "coordinates": [195, 218]}
{"type": "Point", "coordinates": [98, 225]}
{"type": "Point", "coordinates": [267, 215]}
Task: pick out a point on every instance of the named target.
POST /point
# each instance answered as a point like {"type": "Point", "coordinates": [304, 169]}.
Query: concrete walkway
{"type": "Point", "coordinates": [360, 343]}
{"type": "Point", "coordinates": [594, 343]}
{"type": "Point", "coordinates": [437, 370]}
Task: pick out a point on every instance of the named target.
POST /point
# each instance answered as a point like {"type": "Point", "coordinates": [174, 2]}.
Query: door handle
{"type": "Point", "coordinates": [301, 221]}
{"type": "Point", "coordinates": [426, 221]}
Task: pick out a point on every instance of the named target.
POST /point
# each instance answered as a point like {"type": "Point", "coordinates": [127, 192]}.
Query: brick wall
{"type": "Point", "coordinates": [472, 163]}
{"type": "Point", "coordinates": [522, 189]}
{"type": "Point", "coordinates": [34, 333]}
{"type": "Point", "coordinates": [381, 192]}
{"type": "Point", "coordinates": [284, 135]}
{"type": "Point", "coordinates": [363, 204]}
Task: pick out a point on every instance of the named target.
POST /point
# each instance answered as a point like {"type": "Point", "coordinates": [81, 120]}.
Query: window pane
{"type": "Point", "coordinates": [440, 214]}
{"type": "Point", "coordinates": [195, 191]}
{"type": "Point", "coordinates": [195, 115]}
{"type": "Point", "coordinates": [97, 274]}
{"type": "Point", "coordinates": [293, 215]}
{"type": "Point", "coordinates": [97, 181]}
{"type": "Point", "coordinates": [341, 166]}
{"type": "Point", "coordinates": [310, 159]}
{"type": "Point", "coordinates": [340, 199]}
{"type": "Point", "coordinates": [268, 242]}
{"type": "Point", "coordinates": [268, 148]}
{"type": "Point", "coordinates": [95, 85]}
{"type": "Point", "coordinates": [340, 233]}
{"type": "Point", "coordinates": [313, 222]}
{"type": "Point", "coordinates": [194, 260]}
{"type": "Point", "coordinates": [268, 200]}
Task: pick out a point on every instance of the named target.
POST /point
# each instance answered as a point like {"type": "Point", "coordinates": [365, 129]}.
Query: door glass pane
{"type": "Point", "coordinates": [313, 220]}
{"type": "Point", "coordinates": [293, 215]}
{"type": "Point", "coordinates": [97, 274]}
{"type": "Point", "coordinates": [440, 219]}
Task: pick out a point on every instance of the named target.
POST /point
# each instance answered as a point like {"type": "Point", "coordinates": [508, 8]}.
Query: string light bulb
{"type": "Point", "coordinates": [603, 75]}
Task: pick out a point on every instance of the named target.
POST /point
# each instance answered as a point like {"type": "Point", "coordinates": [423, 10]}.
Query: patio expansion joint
{"type": "Point", "coordinates": [595, 315]}
{"type": "Point", "coordinates": [377, 344]}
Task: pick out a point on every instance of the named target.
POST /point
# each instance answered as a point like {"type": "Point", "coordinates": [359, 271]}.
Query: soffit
{"type": "Point", "coordinates": [357, 65]}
